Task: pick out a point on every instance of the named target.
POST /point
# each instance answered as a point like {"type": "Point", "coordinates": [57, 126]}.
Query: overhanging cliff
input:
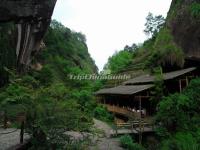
{"type": "Point", "coordinates": [32, 18]}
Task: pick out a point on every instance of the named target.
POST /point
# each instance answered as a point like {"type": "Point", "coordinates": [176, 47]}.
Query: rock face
{"type": "Point", "coordinates": [184, 21]}
{"type": "Point", "coordinates": [30, 9]}
{"type": "Point", "coordinates": [32, 18]}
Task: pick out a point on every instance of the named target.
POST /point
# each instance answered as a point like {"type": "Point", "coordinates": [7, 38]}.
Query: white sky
{"type": "Point", "coordinates": [109, 25]}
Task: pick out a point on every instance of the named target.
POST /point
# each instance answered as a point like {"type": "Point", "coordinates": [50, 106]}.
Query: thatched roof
{"type": "Point", "coordinates": [124, 90]}
{"type": "Point", "coordinates": [144, 79]}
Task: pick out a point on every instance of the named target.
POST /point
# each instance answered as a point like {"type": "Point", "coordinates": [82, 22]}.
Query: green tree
{"type": "Point", "coordinates": [179, 120]}
{"type": "Point", "coordinates": [165, 51]}
{"type": "Point", "coordinates": [131, 48]}
{"type": "Point", "coordinates": [48, 111]}
{"type": "Point", "coordinates": [119, 61]}
{"type": "Point", "coordinates": [153, 24]}
{"type": "Point", "coordinates": [158, 89]}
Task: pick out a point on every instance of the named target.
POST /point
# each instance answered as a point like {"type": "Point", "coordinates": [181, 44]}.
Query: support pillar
{"type": "Point", "coordinates": [180, 86]}
{"type": "Point", "coordinates": [22, 133]}
{"type": "Point", "coordinates": [5, 120]}
{"type": "Point", "coordinates": [187, 82]}
{"type": "Point", "coordinates": [140, 122]}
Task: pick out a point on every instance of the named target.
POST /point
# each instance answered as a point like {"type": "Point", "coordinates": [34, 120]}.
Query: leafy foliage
{"type": "Point", "coordinates": [166, 52]}
{"type": "Point", "coordinates": [49, 112]}
{"type": "Point", "coordinates": [158, 89]}
{"type": "Point", "coordinates": [66, 49]}
{"type": "Point", "coordinates": [159, 50]}
{"type": "Point", "coordinates": [181, 141]}
{"type": "Point", "coordinates": [173, 112]}
{"type": "Point", "coordinates": [195, 9]}
{"type": "Point", "coordinates": [153, 24]}
{"type": "Point", "coordinates": [128, 143]}
{"type": "Point", "coordinates": [178, 115]}
{"type": "Point", "coordinates": [126, 140]}
{"type": "Point", "coordinates": [44, 76]}
{"type": "Point", "coordinates": [101, 113]}
{"type": "Point", "coordinates": [131, 48]}
{"type": "Point", "coordinates": [119, 61]}
{"type": "Point", "coordinates": [52, 103]}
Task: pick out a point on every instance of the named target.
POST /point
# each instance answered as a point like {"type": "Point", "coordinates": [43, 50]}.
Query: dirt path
{"type": "Point", "coordinates": [10, 138]}
{"type": "Point", "coordinates": [105, 141]}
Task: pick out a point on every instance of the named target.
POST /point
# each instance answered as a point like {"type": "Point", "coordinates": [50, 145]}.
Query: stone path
{"type": "Point", "coordinates": [105, 141]}
{"type": "Point", "coordinates": [10, 138]}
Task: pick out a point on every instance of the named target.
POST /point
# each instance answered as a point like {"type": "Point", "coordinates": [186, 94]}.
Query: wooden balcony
{"type": "Point", "coordinates": [122, 111]}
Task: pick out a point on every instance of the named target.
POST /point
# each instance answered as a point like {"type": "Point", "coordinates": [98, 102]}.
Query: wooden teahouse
{"type": "Point", "coordinates": [131, 100]}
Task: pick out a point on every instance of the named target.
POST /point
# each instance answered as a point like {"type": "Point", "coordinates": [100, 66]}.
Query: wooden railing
{"type": "Point", "coordinates": [133, 127]}
{"type": "Point", "coordinates": [135, 124]}
{"type": "Point", "coordinates": [122, 111]}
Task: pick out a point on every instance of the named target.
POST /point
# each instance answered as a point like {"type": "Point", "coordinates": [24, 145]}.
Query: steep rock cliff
{"type": "Point", "coordinates": [32, 18]}
{"type": "Point", "coordinates": [184, 22]}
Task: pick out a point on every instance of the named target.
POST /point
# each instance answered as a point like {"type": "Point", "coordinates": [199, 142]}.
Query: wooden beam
{"type": "Point", "coordinates": [142, 97]}
{"type": "Point", "coordinates": [180, 86]}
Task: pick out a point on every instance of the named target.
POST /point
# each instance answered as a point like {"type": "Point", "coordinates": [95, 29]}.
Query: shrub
{"type": "Point", "coordinates": [44, 76]}
{"type": "Point", "coordinates": [162, 132]}
{"type": "Point", "coordinates": [180, 141]}
{"type": "Point", "coordinates": [180, 112]}
{"type": "Point", "coordinates": [173, 112]}
{"type": "Point", "coordinates": [119, 60]}
{"type": "Point", "coordinates": [126, 140]}
{"type": "Point", "coordinates": [101, 113]}
{"type": "Point", "coordinates": [195, 9]}
{"type": "Point", "coordinates": [166, 52]}
{"type": "Point", "coordinates": [128, 143]}
{"type": "Point", "coordinates": [178, 115]}
{"type": "Point", "coordinates": [136, 146]}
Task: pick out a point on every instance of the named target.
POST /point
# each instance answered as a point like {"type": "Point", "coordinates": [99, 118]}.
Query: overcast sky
{"type": "Point", "coordinates": [109, 25]}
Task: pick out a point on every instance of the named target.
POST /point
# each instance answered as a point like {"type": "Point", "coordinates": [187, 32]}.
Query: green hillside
{"type": "Point", "coordinates": [46, 102]}
{"type": "Point", "coordinates": [51, 101]}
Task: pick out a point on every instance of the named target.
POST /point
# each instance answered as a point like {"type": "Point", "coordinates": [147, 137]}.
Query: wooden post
{"type": "Point", "coordinates": [99, 100]}
{"type": "Point", "coordinates": [5, 120]}
{"type": "Point", "coordinates": [22, 133]}
{"type": "Point", "coordinates": [116, 130]}
{"type": "Point", "coordinates": [140, 122]}
{"type": "Point", "coordinates": [187, 82]}
{"type": "Point", "coordinates": [180, 86]}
